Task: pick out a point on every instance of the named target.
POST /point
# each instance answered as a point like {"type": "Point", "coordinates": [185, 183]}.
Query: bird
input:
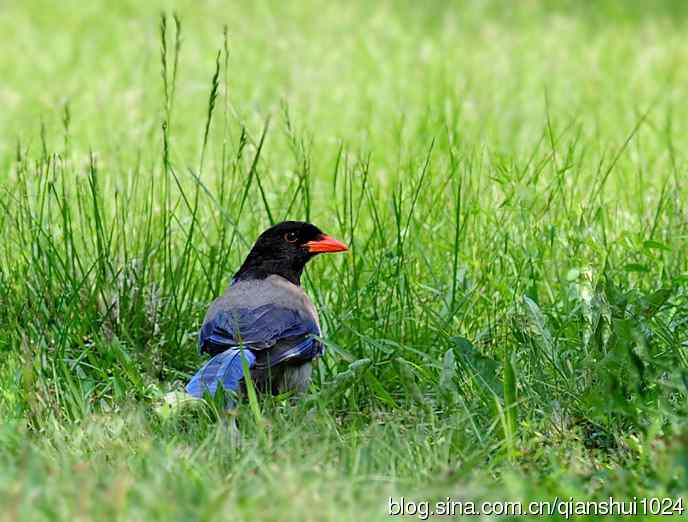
{"type": "Point", "coordinates": [265, 320]}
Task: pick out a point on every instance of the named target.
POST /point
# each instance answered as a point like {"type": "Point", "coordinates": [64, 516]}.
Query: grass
{"type": "Point", "coordinates": [511, 324]}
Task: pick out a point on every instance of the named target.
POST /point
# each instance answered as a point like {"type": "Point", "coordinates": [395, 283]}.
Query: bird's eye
{"type": "Point", "coordinates": [291, 237]}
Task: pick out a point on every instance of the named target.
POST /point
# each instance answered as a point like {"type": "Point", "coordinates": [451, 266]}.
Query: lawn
{"type": "Point", "coordinates": [511, 323]}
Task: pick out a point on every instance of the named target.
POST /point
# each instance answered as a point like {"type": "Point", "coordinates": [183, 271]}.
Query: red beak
{"type": "Point", "coordinates": [326, 244]}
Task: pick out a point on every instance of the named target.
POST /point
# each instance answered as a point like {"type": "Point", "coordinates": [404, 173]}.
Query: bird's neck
{"type": "Point", "coordinates": [256, 267]}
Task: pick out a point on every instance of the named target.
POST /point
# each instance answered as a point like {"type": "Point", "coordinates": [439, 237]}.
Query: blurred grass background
{"type": "Point", "coordinates": [333, 64]}
{"type": "Point", "coordinates": [512, 322]}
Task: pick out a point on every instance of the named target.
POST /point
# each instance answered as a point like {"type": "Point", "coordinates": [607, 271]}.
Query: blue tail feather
{"type": "Point", "coordinates": [225, 368]}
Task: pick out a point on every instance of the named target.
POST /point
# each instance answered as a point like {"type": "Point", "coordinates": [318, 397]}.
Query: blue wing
{"type": "Point", "coordinates": [256, 328]}
{"type": "Point", "coordinates": [302, 348]}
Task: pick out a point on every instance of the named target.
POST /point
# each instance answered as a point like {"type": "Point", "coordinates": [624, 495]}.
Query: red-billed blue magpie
{"type": "Point", "coordinates": [265, 316]}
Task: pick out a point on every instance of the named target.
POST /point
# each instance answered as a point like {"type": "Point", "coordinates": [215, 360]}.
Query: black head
{"type": "Point", "coordinates": [284, 249]}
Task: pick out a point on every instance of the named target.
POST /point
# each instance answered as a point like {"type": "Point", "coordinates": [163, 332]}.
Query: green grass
{"type": "Point", "coordinates": [511, 323]}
